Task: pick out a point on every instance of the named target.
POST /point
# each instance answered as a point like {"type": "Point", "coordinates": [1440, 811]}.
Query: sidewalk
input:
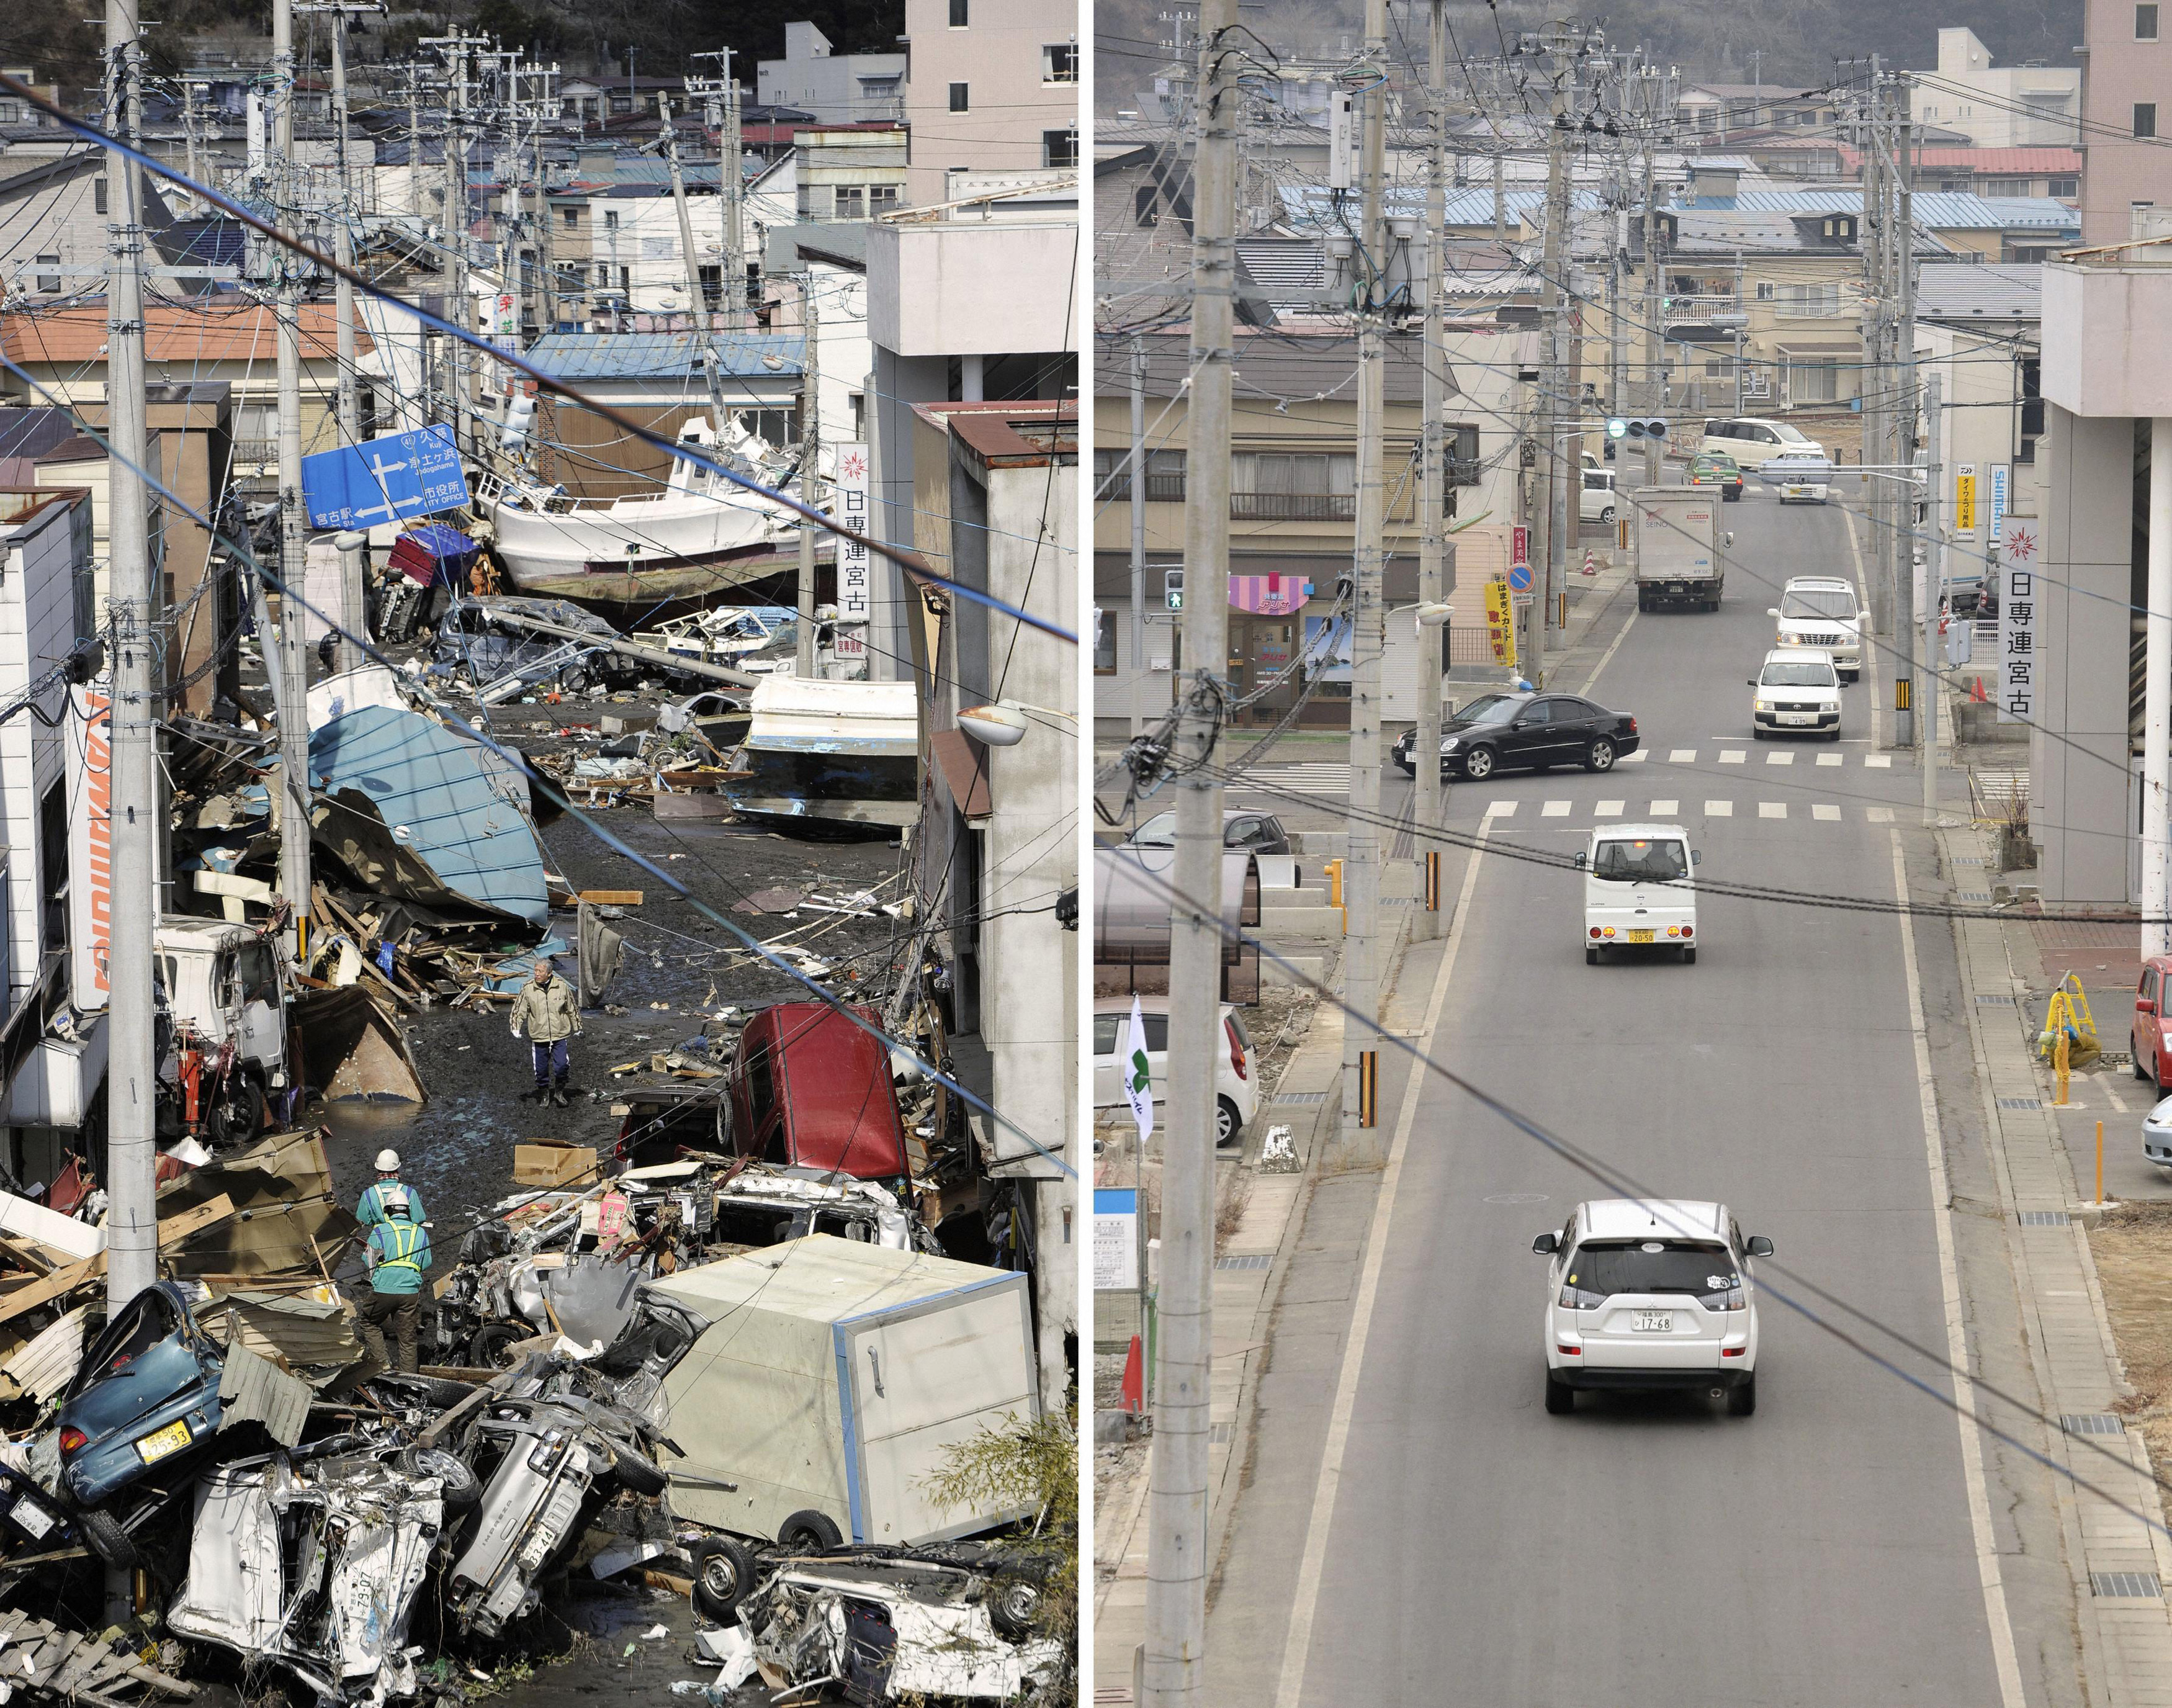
{"type": "Point", "coordinates": [1260, 1285]}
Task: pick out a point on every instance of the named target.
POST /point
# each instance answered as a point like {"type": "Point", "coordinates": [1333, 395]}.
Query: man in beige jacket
{"type": "Point", "coordinates": [546, 1010]}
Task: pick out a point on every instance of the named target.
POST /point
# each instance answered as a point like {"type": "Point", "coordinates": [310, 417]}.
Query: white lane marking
{"type": "Point", "coordinates": [1500, 809]}
{"type": "Point", "coordinates": [1682, 756]}
{"type": "Point", "coordinates": [1863, 603]}
{"type": "Point", "coordinates": [1957, 1350]}
{"type": "Point", "coordinates": [1771, 809]}
{"type": "Point", "coordinates": [1637, 758]}
{"type": "Point", "coordinates": [1665, 809]}
{"type": "Point", "coordinates": [1609, 809]}
{"type": "Point", "coordinates": [1296, 1645]}
{"type": "Point", "coordinates": [1830, 759]}
{"type": "Point", "coordinates": [1779, 759]}
{"type": "Point", "coordinates": [1719, 808]}
{"type": "Point", "coordinates": [1734, 755]}
{"type": "Point", "coordinates": [2118, 1103]}
{"type": "Point", "coordinates": [1554, 809]}
{"type": "Point", "coordinates": [1606, 658]}
{"type": "Point", "coordinates": [1878, 814]}
{"type": "Point", "coordinates": [1883, 761]}
{"type": "Point", "coordinates": [1827, 813]}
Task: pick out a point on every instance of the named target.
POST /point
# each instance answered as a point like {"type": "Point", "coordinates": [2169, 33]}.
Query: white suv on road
{"type": "Point", "coordinates": [1820, 611]}
{"type": "Point", "coordinates": [1796, 692]}
{"type": "Point", "coordinates": [1651, 1295]}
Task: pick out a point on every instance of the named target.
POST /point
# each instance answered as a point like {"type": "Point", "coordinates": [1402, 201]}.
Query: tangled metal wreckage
{"type": "Point", "coordinates": [731, 1380]}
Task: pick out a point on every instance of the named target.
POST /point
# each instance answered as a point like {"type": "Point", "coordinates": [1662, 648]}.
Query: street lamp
{"type": "Point", "coordinates": [1003, 724]}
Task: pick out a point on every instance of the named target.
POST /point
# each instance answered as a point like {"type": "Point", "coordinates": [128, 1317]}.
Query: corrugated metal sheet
{"type": "Point", "coordinates": [306, 1331]}
{"type": "Point", "coordinates": [664, 355]}
{"type": "Point", "coordinates": [45, 1364]}
{"type": "Point", "coordinates": [2006, 292]}
{"type": "Point", "coordinates": [1939, 210]}
{"type": "Point", "coordinates": [256, 1390]}
{"type": "Point", "coordinates": [2030, 160]}
{"type": "Point", "coordinates": [1308, 205]}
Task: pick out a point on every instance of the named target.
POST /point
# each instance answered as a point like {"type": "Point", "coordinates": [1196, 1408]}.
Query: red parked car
{"type": "Point", "coordinates": [2152, 1032]}
{"type": "Point", "coordinates": [810, 1090]}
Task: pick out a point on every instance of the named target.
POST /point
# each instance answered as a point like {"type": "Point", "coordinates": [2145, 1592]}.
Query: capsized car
{"type": "Point", "coordinates": [147, 1392]}
{"type": "Point", "coordinates": [1650, 1296]}
{"type": "Point", "coordinates": [1526, 732]}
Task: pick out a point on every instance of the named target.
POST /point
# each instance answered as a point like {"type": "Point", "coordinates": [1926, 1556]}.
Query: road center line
{"type": "Point", "coordinates": [1297, 1647]}
{"type": "Point", "coordinates": [1957, 1352]}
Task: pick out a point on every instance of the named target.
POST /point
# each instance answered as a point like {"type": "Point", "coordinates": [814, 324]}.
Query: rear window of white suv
{"type": "Point", "coordinates": [1612, 1267]}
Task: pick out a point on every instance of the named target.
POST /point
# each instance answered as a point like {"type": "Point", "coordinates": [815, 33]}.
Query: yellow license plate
{"type": "Point", "coordinates": [157, 1445]}
{"type": "Point", "coordinates": [1639, 936]}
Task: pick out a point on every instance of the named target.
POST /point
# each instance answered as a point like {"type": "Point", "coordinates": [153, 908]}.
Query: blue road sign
{"type": "Point", "coordinates": [1519, 577]}
{"type": "Point", "coordinates": [384, 479]}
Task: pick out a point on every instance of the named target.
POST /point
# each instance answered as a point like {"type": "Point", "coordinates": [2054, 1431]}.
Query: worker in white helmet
{"type": "Point", "coordinates": [397, 1252]}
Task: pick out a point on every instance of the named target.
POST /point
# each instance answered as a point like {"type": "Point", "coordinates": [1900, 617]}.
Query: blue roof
{"type": "Point", "coordinates": [220, 242]}
{"type": "Point", "coordinates": [1939, 210]}
{"type": "Point", "coordinates": [666, 355]}
{"type": "Point", "coordinates": [640, 169]}
{"type": "Point", "coordinates": [453, 818]}
{"type": "Point", "coordinates": [1309, 205]}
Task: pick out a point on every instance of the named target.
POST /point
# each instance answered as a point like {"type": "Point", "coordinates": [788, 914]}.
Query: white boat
{"type": "Point", "coordinates": [701, 534]}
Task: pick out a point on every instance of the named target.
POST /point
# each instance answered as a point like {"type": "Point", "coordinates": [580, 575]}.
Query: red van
{"type": "Point", "coordinates": [811, 1090]}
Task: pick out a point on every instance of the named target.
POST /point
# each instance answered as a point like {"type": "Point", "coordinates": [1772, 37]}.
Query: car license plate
{"type": "Point", "coordinates": [1654, 1322]}
{"type": "Point", "coordinates": [31, 1517]}
{"type": "Point", "coordinates": [1798, 717]}
{"type": "Point", "coordinates": [159, 1443]}
{"type": "Point", "coordinates": [1639, 936]}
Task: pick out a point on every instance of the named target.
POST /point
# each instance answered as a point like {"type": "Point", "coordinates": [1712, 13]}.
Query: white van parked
{"type": "Point", "coordinates": [1638, 891]}
{"type": "Point", "coordinates": [1236, 1078]}
{"type": "Point", "coordinates": [1754, 441]}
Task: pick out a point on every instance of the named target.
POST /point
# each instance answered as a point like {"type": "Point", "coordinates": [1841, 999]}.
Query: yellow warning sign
{"type": "Point", "coordinates": [1501, 624]}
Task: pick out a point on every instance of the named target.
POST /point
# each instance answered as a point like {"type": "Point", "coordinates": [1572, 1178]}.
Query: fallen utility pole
{"type": "Point", "coordinates": [1360, 864]}
{"type": "Point", "coordinates": [1172, 1668]}
{"type": "Point", "coordinates": [1433, 581]}
{"type": "Point", "coordinates": [697, 302]}
{"type": "Point", "coordinates": [292, 692]}
{"type": "Point", "coordinates": [625, 648]}
{"type": "Point", "coordinates": [131, 1078]}
{"type": "Point", "coordinates": [810, 448]}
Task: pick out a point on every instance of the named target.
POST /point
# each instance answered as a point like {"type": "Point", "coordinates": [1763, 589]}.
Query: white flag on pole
{"type": "Point", "coordinates": [1138, 1081]}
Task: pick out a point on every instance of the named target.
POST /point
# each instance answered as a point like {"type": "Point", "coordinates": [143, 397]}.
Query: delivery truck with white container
{"type": "Point", "coordinates": [1676, 542]}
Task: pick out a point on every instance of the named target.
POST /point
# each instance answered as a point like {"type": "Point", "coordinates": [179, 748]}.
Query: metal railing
{"type": "Point", "coordinates": [1293, 507]}
{"type": "Point", "coordinates": [252, 452]}
{"type": "Point", "coordinates": [1698, 310]}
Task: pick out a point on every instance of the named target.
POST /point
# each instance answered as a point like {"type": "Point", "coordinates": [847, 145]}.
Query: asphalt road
{"type": "Point", "coordinates": [1644, 1550]}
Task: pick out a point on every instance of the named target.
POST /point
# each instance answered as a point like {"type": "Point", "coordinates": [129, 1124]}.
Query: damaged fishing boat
{"type": "Point", "coordinates": [838, 757]}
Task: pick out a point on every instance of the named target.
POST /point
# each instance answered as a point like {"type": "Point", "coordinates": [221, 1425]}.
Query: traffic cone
{"type": "Point", "coordinates": [1135, 1379]}
{"type": "Point", "coordinates": [1977, 692]}
{"type": "Point", "coordinates": [1589, 567]}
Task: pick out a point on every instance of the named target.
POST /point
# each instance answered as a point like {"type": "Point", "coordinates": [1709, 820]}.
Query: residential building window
{"type": "Point", "coordinates": [958, 13]}
{"type": "Point", "coordinates": [98, 195]}
{"type": "Point", "coordinates": [1814, 381]}
{"type": "Point", "coordinates": [1805, 302]}
{"type": "Point", "coordinates": [1293, 487]}
{"type": "Point", "coordinates": [1146, 205]}
{"type": "Point", "coordinates": [610, 218]}
{"type": "Point", "coordinates": [11, 112]}
{"type": "Point", "coordinates": [1105, 643]}
{"type": "Point", "coordinates": [621, 104]}
{"type": "Point", "coordinates": [852, 200]}
{"type": "Point", "coordinates": [957, 98]}
{"type": "Point", "coordinates": [571, 216]}
{"type": "Point", "coordinates": [1462, 457]}
{"type": "Point", "coordinates": [49, 281]}
{"type": "Point", "coordinates": [2032, 409]}
{"type": "Point", "coordinates": [881, 198]}
{"type": "Point", "coordinates": [2006, 186]}
{"type": "Point", "coordinates": [603, 275]}
{"type": "Point", "coordinates": [2066, 187]}
{"type": "Point", "coordinates": [2145, 119]}
{"type": "Point", "coordinates": [2145, 23]}
{"type": "Point", "coordinates": [1059, 148]}
{"type": "Point", "coordinates": [1112, 476]}
{"type": "Point", "coordinates": [1059, 62]}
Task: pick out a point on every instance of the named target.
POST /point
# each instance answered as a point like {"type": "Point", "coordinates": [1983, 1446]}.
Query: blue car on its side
{"type": "Point", "coordinates": [147, 1393]}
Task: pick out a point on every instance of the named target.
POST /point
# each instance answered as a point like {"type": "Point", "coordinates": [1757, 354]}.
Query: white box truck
{"type": "Point", "coordinates": [1677, 544]}
{"type": "Point", "coordinates": [826, 1380]}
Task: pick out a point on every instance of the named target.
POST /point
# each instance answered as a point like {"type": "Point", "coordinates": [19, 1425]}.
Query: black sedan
{"type": "Point", "coordinates": [1527, 732]}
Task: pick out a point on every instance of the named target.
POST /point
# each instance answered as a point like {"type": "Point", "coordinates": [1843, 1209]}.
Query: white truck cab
{"type": "Point", "coordinates": [222, 984]}
{"type": "Point", "coordinates": [1638, 890]}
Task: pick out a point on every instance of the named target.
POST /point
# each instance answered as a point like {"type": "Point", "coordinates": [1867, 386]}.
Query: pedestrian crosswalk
{"type": "Point", "coordinates": [1306, 777]}
{"type": "Point", "coordinates": [1665, 808]}
{"type": "Point", "coordinates": [1773, 756]}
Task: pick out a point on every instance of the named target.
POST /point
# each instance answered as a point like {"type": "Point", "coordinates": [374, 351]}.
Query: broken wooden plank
{"type": "Point", "coordinates": [64, 1281]}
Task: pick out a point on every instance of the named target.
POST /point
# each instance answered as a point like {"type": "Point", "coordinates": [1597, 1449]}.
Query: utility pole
{"type": "Point", "coordinates": [1138, 534]}
{"type": "Point", "coordinates": [1551, 517]}
{"type": "Point", "coordinates": [1361, 865]}
{"type": "Point", "coordinates": [2156, 695]}
{"type": "Point", "coordinates": [546, 237]}
{"type": "Point", "coordinates": [132, 1137]}
{"type": "Point", "coordinates": [460, 303]}
{"type": "Point", "coordinates": [1172, 1670]}
{"type": "Point", "coordinates": [293, 683]}
{"type": "Point", "coordinates": [415, 141]}
{"type": "Point", "coordinates": [1656, 99]}
{"type": "Point", "coordinates": [1432, 479]}
{"type": "Point", "coordinates": [722, 99]}
{"type": "Point", "coordinates": [1934, 548]}
{"type": "Point", "coordinates": [810, 449]}
{"type": "Point", "coordinates": [697, 304]}
{"type": "Point", "coordinates": [1903, 252]}
{"type": "Point", "coordinates": [189, 126]}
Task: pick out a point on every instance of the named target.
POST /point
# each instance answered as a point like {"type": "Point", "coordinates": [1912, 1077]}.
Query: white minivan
{"type": "Point", "coordinates": [1753, 441]}
{"type": "Point", "coordinates": [1638, 891]}
{"type": "Point", "coordinates": [1236, 1069]}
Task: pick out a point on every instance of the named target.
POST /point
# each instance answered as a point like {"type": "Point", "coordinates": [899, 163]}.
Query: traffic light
{"type": "Point", "coordinates": [1636, 427]}
{"type": "Point", "coordinates": [1172, 588]}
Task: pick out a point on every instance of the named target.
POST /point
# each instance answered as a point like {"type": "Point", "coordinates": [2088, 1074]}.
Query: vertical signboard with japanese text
{"type": "Point", "coordinates": [1965, 498]}
{"type": "Point", "coordinates": [1500, 622]}
{"type": "Point", "coordinates": [2017, 623]}
{"type": "Point", "coordinates": [90, 847]}
{"type": "Point", "coordinates": [855, 600]}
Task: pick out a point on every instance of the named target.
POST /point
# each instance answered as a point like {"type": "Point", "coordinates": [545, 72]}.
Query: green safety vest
{"type": "Point", "coordinates": [396, 1243]}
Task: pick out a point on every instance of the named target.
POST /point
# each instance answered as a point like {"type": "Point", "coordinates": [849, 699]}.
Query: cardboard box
{"type": "Point", "coordinates": [552, 1162]}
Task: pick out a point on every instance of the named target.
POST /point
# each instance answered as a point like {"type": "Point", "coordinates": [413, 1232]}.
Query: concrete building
{"type": "Point", "coordinates": [47, 610]}
{"type": "Point", "coordinates": [837, 88]}
{"type": "Point", "coordinates": [990, 85]}
{"type": "Point", "coordinates": [1293, 510]}
{"type": "Point", "coordinates": [849, 172]}
{"type": "Point", "coordinates": [55, 215]}
{"type": "Point", "coordinates": [1998, 106]}
{"type": "Point", "coordinates": [995, 507]}
{"type": "Point", "coordinates": [2127, 73]}
{"type": "Point", "coordinates": [1998, 172]}
{"type": "Point", "coordinates": [2107, 385]}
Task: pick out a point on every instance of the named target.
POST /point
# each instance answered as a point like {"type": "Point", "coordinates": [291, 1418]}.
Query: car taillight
{"type": "Point", "coordinates": [1594, 930]}
{"type": "Point", "coordinates": [1568, 1351]}
{"type": "Point", "coordinates": [1689, 930]}
{"type": "Point", "coordinates": [1632, 726]}
{"type": "Point", "coordinates": [71, 1440]}
{"type": "Point", "coordinates": [1733, 1351]}
{"type": "Point", "coordinates": [1236, 1049]}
